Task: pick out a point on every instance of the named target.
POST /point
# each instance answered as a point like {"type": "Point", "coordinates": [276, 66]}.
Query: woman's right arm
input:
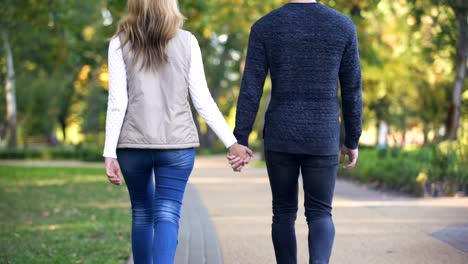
{"type": "Point", "coordinates": [118, 97]}
{"type": "Point", "coordinates": [116, 108]}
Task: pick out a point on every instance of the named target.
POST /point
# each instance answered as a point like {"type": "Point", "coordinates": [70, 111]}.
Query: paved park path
{"type": "Point", "coordinates": [226, 219]}
{"type": "Point", "coordinates": [371, 227]}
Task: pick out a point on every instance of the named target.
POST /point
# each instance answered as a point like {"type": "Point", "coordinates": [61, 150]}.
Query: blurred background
{"type": "Point", "coordinates": [53, 70]}
{"type": "Point", "coordinates": [54, 85]}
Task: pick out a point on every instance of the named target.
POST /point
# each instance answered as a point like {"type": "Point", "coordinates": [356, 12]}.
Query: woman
{"type": "Point", "coordinates": [154, 67]}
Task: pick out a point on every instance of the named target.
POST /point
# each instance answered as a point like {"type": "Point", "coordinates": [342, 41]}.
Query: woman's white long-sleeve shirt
{"type": "Point", "coordinates": [198, 89]}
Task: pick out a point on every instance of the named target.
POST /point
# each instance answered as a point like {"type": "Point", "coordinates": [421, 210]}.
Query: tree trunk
{"type": "Point", "coordinates": [453, 118]}
{"type": "Point", "coordinates": [3, 132]}
{"type": "Point", "coordinates": [63, 127]}
{"type": "Point", "coordinates": [10, 92]}
{"type": "Point", "coordinates": [53, 141]}
{"type": "Point", "coordinates": [383, 133]}
{"type": "Point", "coordinates": [425, 133]}
{"type": "Point", "coordinates": [65, 110]}
{"type": "Point", "coordinates": [377, 132]}
{"type": "Point", "coordinates": [403, 131]}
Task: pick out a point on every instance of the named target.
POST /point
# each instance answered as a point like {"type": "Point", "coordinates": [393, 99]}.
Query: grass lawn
{"type": "Point", "coordinates": [62, 215]}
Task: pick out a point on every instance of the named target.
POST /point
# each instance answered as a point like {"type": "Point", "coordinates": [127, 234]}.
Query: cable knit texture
{"type": "Point", "coordinates": [308, 49]}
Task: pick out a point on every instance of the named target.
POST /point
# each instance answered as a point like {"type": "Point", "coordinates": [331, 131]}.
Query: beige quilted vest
{"type": "Point", "coordinates": [158, 114]}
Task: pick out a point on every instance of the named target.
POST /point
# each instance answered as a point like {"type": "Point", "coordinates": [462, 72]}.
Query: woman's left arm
{"type": "Point", "coordinates": [207, 108]}
{"type": "Point", "coordinates": [202, 99]}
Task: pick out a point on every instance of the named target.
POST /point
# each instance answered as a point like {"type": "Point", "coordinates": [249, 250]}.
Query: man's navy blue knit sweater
{"type": "Point", "coordinates": [307, 48]}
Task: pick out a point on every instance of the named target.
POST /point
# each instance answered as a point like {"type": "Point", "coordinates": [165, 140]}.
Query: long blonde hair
{"type": "Point", "coordinates": [148, 27]}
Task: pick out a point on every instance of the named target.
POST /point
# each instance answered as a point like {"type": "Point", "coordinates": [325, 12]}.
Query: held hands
{"type": "Point", "coordinates": [238, 156]}
{"type": "Point", "coordinates": [113, 171]}
{"type": "Point", "coordinates": [352, 154]}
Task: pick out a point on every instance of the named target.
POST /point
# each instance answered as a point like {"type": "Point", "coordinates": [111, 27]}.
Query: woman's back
{"type": "Point", "coordinates": [158, 113]}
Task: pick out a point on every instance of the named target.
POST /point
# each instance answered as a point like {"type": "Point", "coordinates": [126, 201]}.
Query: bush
{"type": "Point", "coordinates": [89, 153]}
{"type": "Point", "coordinates": [62, 153]}
{"type": "Point", "coordinates": [386, 171]}
{"type": "Point", "coordinates": [78, 152]}
{"type": "Point", "coordinates": [432, 170]}
{"type": "Point", "coordinates": [20, 154]}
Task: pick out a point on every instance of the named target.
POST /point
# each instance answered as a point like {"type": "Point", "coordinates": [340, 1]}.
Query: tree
{"type": "Point", "coordinates": [54, 40]}
{"type": "Point", "coordinates": [6, 14]}
{"type": "Point", "coordinates": [447, 36]}
{"type": "Point", "coordinates": [222, 28]}
{"type": "Point", "coordinates": [454, 113]}
{"type": "Point", "coordinates": [10, 92]}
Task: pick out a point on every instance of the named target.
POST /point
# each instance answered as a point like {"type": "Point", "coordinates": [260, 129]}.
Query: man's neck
{"type": "Point", "coordinates": [302, 1]}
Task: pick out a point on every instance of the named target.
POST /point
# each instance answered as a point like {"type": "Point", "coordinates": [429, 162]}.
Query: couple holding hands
{"type": "Point", "coordinates": [156, 68]}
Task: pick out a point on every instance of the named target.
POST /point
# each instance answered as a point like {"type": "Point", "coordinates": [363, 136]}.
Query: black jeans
{"type": "Point", "coordinates": [318, 175]}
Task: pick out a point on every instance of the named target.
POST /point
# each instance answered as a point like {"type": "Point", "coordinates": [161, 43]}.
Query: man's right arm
{"type": "Point", "coordinates": [351, 92]}
{"type": "Point", "coordinates": [253, 80]}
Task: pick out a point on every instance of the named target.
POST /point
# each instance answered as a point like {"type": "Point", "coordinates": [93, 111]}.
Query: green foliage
{"type": "Point", "coordinates": [51, 41]}
{"type": "Point", "coordinates": [62, 215]}
{"type": "Point", "coordinates": [407, 55]}
{"type": "Point", "coordinates": [412, 171]}
{"type": "Point", "coordinates": [89, 153]}
{"type": "Point", "coordinates": [448, 162]}
{"type": "Point", "coordinates": [93, 116]}
{"type": "Point", "coordinates": [79, 152]}
{"type": "Point", "coordinates": [222, 29]}
{"type": "Point", "coordinates": [39, 102]}
{"type": "Point", "coordinates": [386, 171]}
{"type": "Point", "coordinates": [6, 153]}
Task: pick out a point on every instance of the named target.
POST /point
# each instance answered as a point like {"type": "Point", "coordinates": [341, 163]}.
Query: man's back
{"type": "Point", "coordinates": [307, 48]}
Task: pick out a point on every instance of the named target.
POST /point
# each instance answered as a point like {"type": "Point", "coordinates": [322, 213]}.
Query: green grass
{"type": "Point", "coordinates": [62, 215]}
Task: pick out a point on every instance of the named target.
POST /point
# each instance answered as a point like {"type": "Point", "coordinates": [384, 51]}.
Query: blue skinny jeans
{"type": "Point", "coordinates": [156, 181]}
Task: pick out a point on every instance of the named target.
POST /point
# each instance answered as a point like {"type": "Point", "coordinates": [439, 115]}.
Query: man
{"type": "Point", "coordinates": [307, 48]}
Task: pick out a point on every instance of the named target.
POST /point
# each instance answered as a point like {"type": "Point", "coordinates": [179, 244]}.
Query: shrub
{"type": "Point", "coordinates": [89, 153]}
{"type": "Point", "coordinates": [19, 153]}
{"type": "Point", "coordinates": [78, 152]}
{"type": "Point", "coordinates": [433, 170]}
